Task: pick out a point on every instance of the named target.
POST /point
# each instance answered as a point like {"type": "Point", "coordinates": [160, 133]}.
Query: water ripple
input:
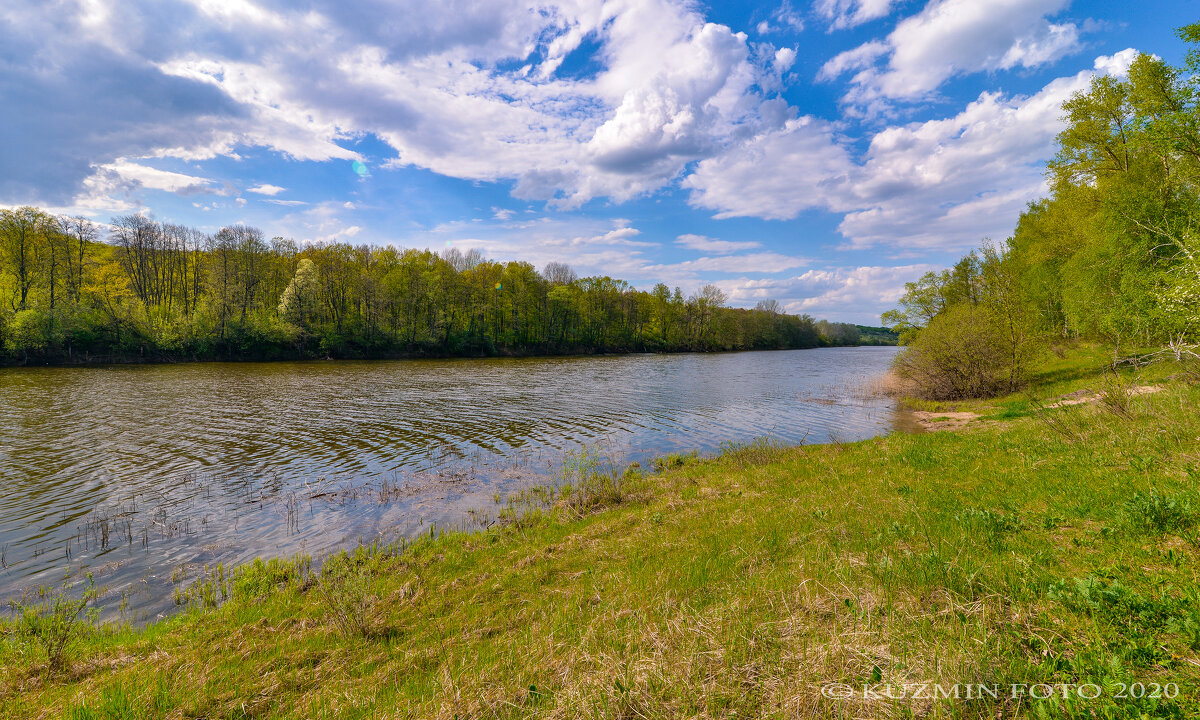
{"type": "Point", "coordinates": [208, 454]}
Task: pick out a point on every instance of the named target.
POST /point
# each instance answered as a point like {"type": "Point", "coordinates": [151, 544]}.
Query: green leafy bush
{"type": "Point", "coordinates": [964, 352]}
{"type": "Point", "coordinates": [53, 619]}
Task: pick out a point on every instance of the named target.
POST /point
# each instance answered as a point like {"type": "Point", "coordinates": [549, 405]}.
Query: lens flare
{"type": "Point", "coordinates": [498, 286]}
{"type": "Point", "coordinates": [359, 168]}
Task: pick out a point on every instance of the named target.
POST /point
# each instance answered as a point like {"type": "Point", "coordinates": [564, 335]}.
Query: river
{"type": "Point", "coordinates": [146, 474]}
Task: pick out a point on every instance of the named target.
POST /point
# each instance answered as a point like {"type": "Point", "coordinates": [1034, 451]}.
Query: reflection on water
{"type": "Point", "coordinates": [142, 473]}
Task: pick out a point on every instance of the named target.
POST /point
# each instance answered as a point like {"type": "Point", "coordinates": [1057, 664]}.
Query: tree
{"type": "Point", "coordinates": [557, 273]}
{"type": "Point", "coordinates": [79, 234]}
{"type": "Point", "coordinates": [770, 307]}
{"type": "Point", "coordinates": [299, 299]}
{"type": "Point", "coordinates": [23, 239]}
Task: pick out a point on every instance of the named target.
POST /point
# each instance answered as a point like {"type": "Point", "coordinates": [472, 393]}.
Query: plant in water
{"type": "Point", "coordinates": [589, 483]}
{"type": "Point", "coordinates": [54, 618]}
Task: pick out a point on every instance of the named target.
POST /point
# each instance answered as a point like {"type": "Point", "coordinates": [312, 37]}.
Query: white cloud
{"type": "Point", "coordinates": [712, 245]}
{"type": "Point", "coordinates": [762, 262]}
{"type": "Point", "coordinates": [843, 14]}
{"type": "Point", "coordinates": [784, 17]}
{"type": "Point", "coordinates": [673, 89]}
{"type": "Point", "coordinates": [784, 59]}
{"type": "Point", "coordinates": [1116, 64]}
{"type": "Point", "coordinates": [266, 189]}
{"type": "Point", "coordinates": [466, 88]}
{"type": "Point", "coordinates": [949, 183]}
{"type": "Point", "coordinates": [954, 37]}
{"type": "Point", "coordinates": [942, 184]}
{"type": "Point", "coordinates": [155, 179]}
{"type": "Point", "coordinates": [854, 294]}
{"type": "Point", "coordinates": [863, 56]}
{"type": "Point", "coordinates": [776, 175]}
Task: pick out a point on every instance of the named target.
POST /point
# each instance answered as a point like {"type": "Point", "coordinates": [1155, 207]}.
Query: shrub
{"type": "Point", "coordinates": [345, 588]}
{"type": "Point", "coordinates": [31, 332]}
{"type": "Point", "coordinates": [55, 619]}
{"type": "Point", "coordinates": [967, 351]}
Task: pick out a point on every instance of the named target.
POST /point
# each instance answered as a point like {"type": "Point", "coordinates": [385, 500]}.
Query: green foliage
{"type": "Point", "coordinates": [1157, 513]}
{"type": "Point", "coordinates": [156, 291]}
{"type": "Point", "coordinates": [346, 591]}
{"type": "Point", "coordinates": [1111, 255]}
{"type": "Point", "coordinates": [964, 352]}
{"type": "Point", "coordinates": [54, 619]}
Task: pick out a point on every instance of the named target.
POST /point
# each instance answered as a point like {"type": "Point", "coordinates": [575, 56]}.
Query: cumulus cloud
{"type": "Point", "coordinates": [784, 17]}
{"type": "Point", "coordinates": [154, 179]}
{"type": "Point", "coordinates": [863, 56]}
{"type": "Point", "coordinates": [1116, 64]}
{"type": "Point", "coordinates": [941, 184]}
{"type": "Point", "coordinates": [606, 247]}
{"type": "Point", "coordinates": [776, 175]}
{"type": "Point", "coordinates": [76, 102]}
{"type": "Point", "coordinates": [760, 262]}
{"type": "Point", "coordinates": [468, 89]}
{"type": "Point", "coordinates": [266, 189]}
{"type": "Point", "coordinates": [853, 294]}
{"type": "Point", "coordinates": [954, 37]}
{"type": "Point", "coordinates": [948, 183]}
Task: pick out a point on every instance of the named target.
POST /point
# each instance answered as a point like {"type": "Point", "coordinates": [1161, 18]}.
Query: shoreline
{"type": "Point", "coordinates": [132, 360]}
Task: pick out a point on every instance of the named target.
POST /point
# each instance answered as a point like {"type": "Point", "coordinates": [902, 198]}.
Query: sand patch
{"type": "Point", "coordinates": [934, 421]}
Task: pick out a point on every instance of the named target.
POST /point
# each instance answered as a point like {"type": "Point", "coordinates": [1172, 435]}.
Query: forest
{"type": "Point", "coordinates": [75, 291]}
{"type": "Point", "coordinates": [1110, 256]}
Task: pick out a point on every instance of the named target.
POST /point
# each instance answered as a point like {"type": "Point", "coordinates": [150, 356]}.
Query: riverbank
{"type": "Point", "coordinates": [159, 357]}
{"type": "Point", "coordinates": [1037, 545]}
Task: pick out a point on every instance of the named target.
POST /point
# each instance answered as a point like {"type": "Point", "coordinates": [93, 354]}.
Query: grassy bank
{"type": "Point", "coordinates": [1036, 545]}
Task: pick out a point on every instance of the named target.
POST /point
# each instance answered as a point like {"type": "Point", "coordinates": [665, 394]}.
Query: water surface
{"type": "Point", "coordinates": [146, 474]}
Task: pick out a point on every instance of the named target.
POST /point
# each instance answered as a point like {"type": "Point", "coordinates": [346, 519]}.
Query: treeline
{"type": "Point", "coordinates": [1112, 255]}
{"type": "Point", "coordinates": [75, 291]}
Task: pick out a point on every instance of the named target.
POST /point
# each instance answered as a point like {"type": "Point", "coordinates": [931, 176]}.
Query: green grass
{"type": "Point", "coordinates": [1046, 546]}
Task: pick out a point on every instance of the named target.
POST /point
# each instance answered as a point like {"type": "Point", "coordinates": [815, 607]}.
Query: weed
{"type": "Point", "coordinates": [992, 524]}
{"type": "Point", "coordinates": [259, 578]}
{"type": "Point", "coordinates": [345, 588]}
{"type": "Point", "coordinates": [55, 619]}
{"type": "Point", "coordinates": [1153, 512]}
{"type": "Point", "coordinates": [1116, 397]}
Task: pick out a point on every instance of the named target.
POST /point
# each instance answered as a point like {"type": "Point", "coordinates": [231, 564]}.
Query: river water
{"type": "Point", "coordinates": [145, 475]}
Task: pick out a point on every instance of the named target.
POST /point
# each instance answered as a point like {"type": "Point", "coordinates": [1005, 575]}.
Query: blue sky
{"type": "Point", "coordinates": [820, 153]}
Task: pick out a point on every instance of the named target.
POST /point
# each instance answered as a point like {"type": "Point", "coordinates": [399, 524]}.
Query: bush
{"type": "Point", "coordinates": [31, 332]}
{"type": "Point", "coordinates": [345, 588]}
{"type": "Point", "coordinates": [967, 351]}
{"type": "Point", "coordinates": [56, 619]}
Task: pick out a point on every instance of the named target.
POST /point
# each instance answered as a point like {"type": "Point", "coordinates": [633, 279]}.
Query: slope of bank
{"type": "Point", "coordinates": [1041, 545]}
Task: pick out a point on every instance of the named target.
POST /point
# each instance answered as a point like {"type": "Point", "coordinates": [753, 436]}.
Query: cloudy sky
{"type": "Point", "coordinates": [820, 152]}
